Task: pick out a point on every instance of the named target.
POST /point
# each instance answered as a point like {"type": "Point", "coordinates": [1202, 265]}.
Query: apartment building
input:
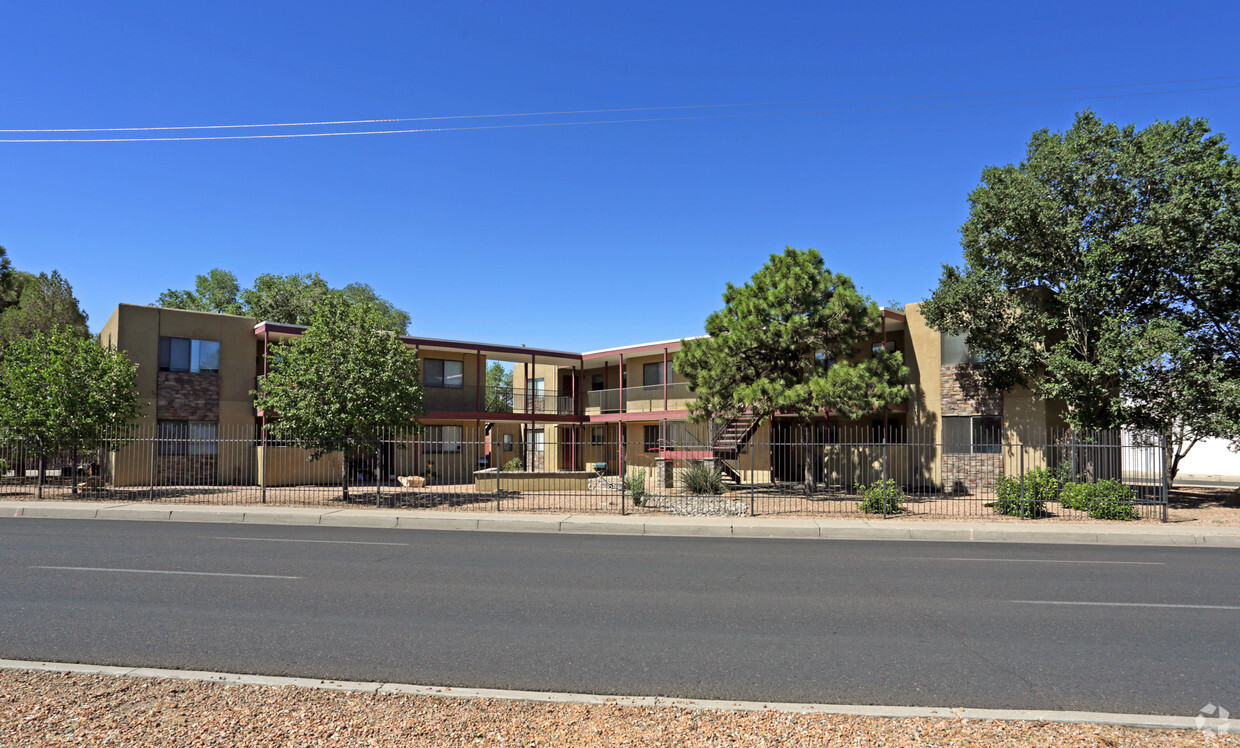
{"type": "Point", "coordinates": [566, 411]}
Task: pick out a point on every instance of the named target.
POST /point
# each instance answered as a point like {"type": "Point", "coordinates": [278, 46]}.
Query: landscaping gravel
{"type": "Point", "coordinates": [62, 709]}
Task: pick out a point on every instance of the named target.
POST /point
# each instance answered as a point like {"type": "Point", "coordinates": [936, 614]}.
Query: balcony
{"type": "Point", "coordinates": [474, 399]}
{"type": "Point", "coordinates": [643, 399]}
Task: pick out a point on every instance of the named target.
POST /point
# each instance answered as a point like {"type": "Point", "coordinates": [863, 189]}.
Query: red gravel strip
{"type": "Point", "coordinates": [54, 709]}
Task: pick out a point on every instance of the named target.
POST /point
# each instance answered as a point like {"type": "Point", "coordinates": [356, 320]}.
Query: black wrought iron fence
{"type": "Point", "coordinates": [673, 469]}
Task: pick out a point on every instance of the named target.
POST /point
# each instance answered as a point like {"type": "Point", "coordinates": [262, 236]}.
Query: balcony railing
{"type": "Point", "coordinates": [473, 399]}
{"type": "Point", "coordinates": [639, 399]}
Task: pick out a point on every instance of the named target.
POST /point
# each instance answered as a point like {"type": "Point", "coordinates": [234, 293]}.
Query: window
{"type": "Point", "coordinates": [186, 354]}
{"type": "Point", "coordinates": [894, 432]}
{"type": "Point", "coordinates": [443, 439]}
{"type": "Point", "coordinates": [596, 434]}
{"type": "Point", "coordinates": [972, 434]}
{"type": "Point", "coordinates": [597, 382]}
{"type": "Point", "coordinates": [536, 439]}
{"type": "Point", "coordinates": [890, 345]}
{"type": "Point", "coordinates": [955, 350]}
{"type": "Point", "coordinates": [443, 373]}
{"type": "Point", "coordinates": [507, 442]}
{"type": "Point", "coordinates": [652, 374]}
{"type": "Point", "coordinates": [650, 437]}
{"type": "Point", "coordinates": [179, 438]}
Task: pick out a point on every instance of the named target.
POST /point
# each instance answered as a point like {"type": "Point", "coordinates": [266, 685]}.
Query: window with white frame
{"type": "Point", "coordinates": [180, 438]}
{"type": "Point", "coordinates": [438, 372]}
{"type": "Point", "coordinates": [507, 442]}
{"type": "Point", "coordinates": [189, 355]}
{"type": "Point", "coordinates": [443, 439]}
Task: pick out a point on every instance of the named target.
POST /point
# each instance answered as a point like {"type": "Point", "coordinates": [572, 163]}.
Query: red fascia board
{"type": "Point", "coordinates": [456, 415]}
{"type": "Point", "coordinates": [650, 415]}
{"type": "Point", "coordinates": [654, 348]}
{"type": "Point", "coordinates": [898, 316]}
{"type": "Point", "coordinates": [463, 345]}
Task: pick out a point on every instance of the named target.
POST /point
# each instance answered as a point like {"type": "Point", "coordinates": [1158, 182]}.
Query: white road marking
{"type": "Point", "coordinates": [163, 571]}
{"type": "Point", "coordinates": [1052, 561]}
{"type": "Point", "coordinates": [1125, 605]}
{"type": "Point", "coordinates": [300, 540]}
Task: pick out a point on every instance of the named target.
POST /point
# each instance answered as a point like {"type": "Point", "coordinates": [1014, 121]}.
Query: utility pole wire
{"type": "Point", "coordinates": [608, 121]}
{"type": "Point", "coordinates": [617, 110]}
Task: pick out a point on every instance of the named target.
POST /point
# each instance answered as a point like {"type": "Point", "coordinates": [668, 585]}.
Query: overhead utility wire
{"type": "Point", "coordinates": [604, 121]}
{"type": "Point", "coordinates": [326, 123]}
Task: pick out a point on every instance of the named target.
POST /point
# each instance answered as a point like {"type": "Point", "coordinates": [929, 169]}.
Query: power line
{"type": "Point", "coordinates": [609, 121]}
{"type": "Point", "coordinates": [618, 110]}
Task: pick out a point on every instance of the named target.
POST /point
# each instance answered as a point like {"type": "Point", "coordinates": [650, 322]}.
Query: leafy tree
{"type": "Point", "coordinates": [61, 390]}
{"type": "Point", "coordinates": [46, 302]}
{"type": "Point", "coordinates": [291, 299]}
{"type": "Point", "coordinates": [8, 294]}
{"type": "Point", "coordinates": [339, 385]}
{"type": "Point", "coordinates": [214, 292]}
{"type": "Point", "coordinates": [1088, 260]}
{"type": "Point", "coordinates": [784, 343]}
{"type": "Point", "coordinates": [499, 389]}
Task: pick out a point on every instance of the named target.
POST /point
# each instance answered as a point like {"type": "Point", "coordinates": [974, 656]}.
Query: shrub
{"type": "Point", "coordinates": [1107, 499]}
{"type": "Point", "coordinates": [1040, 487]}
{"type": "Point", "coordinates": [4, 468]}
{"type": "Point", "coordinates": [513, 465]}
{"type": "Point", "coordinates": [700, 478]}
{"type": "Point", "coordinates": [635, 484]}
{"type": "Point", "coordinates": [883, 497]}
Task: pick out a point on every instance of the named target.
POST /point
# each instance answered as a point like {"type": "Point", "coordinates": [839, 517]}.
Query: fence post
{"type": "Point", "coordinates": [150, 494]}
{"type": "Point", "coordinates": [262, 468]}
{"type": "Point", "coordinates": [1022, 481]}
{"type": "Point", "coordinates": [752, 509]}
{"type": "Point", "coordinates": [1162, 460]}
{"type": "Point", "coordinates": [379, 471]}
{"type": "Point", "coordinates": [884, 491]}
{"type": "Point", "coordinates": [624, 508]}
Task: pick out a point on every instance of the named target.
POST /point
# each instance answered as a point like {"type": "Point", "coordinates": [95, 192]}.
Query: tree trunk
{"type": "Point", "coordinates": [41, 470]}
{"type": "Point", "coordinates": [807, 457]}
{"type": "Point", "coordinates": [73, 462]}
{"type": "Point", "coordinates": [344, 475]}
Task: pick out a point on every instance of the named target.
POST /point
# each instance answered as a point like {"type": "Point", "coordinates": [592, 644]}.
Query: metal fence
{"type": "Point", "coordinates": [673, 468]}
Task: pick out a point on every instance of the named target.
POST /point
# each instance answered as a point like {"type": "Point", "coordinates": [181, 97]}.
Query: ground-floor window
{"type": "Point", "coordinates": [979, 435]}
{"type": "Point", "coordinates": [650, 437]}
{"type": "Point", "coordinates": [443, 439]}
{"type": "Point", "coordinates": [188, 437]}
{"type": "Point", "coordinates": [596, 434]}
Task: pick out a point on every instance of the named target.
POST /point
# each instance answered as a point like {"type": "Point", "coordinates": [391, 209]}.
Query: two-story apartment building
{"type": "Point", "coordinates": [591, 411]}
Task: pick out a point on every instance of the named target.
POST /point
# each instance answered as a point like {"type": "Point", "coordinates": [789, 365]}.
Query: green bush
{"type": "Point", "coordinates": [700, 478]}
{"type": "Point", "coordinates": [1107, 499]}
{"type": "Point", "coordinates": [4, 468]}
{"type": "Point", "coordinates": [883, 497]}
{"type": "Point", "coordinates": [635, 484]}
{"type": "Point", "coordinates": [1040, 487]}
{"type": "Point", "coordinates": [514, 465]}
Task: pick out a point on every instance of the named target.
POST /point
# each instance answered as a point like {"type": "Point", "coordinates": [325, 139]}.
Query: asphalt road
{"type": "Point", "coordinates": [1143, 630]}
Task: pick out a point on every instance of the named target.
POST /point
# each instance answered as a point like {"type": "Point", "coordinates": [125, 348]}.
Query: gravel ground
{"type": "Point", "coordinates": [1189, 505]}
{"type": "Point", "coordinates": [61, 709]}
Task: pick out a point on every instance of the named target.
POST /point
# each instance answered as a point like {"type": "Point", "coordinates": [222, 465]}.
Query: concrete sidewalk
{"type": "Point", "coordinates": [1032, 531]}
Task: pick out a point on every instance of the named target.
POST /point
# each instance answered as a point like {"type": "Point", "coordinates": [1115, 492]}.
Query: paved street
{"type": "Point", "coordinates": [1149, 630]}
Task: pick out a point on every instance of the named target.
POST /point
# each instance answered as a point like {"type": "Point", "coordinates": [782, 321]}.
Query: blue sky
{"type": "Point", "coordinates": [570, 237]}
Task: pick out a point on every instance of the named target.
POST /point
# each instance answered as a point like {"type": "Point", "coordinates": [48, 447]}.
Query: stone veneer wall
{"type": "Point", "coordinates": [963, 393]}
{"type": "Point", "coordinates": [185, 470]}
{"type": "Point", "coordinates": [187, 396]}
{"type": "Point", "coordinates": [971, 474]}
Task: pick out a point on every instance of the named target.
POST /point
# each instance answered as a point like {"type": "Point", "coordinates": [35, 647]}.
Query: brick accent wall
{"type": "Point", "coordinates": [971, 474]}
{"type": "Point", "coordinates": [964, 394]}
{"type": "Point", "coordinates": [187, 396]}
{"type": "Point", "coordinates": [185, 470]}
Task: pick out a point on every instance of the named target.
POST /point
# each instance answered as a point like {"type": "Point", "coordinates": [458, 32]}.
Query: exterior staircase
{"type": "Point", "coordinates": [729, 439]}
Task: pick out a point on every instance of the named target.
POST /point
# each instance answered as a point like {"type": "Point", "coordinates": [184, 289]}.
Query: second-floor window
{"type": "Point", "coordinates": [187, 354]}
{"type": "Point", "coordinates": [597, 382]}
{"type": "Point", "coordinates": [652, 374]}
{"type": "Point", "coordinates": [439, 372]}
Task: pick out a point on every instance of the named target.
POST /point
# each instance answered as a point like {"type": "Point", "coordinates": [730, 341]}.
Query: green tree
{"type": "Point", "coordinates": [46, 302]}
{"type": "Point", "coordinates": [499, 388]}
{"type": "Point", "coordinates": [341, 384]}
{"type": "Point", "coordinates": [217, 291]}
{"type": "Point", "coordinates": [786, 342]}
{"type": "Point", "coordinates": [1086, 262]}
{"type": "Point", "coordinates": [61, 390]}
{"type": "Point", "coordinates": [290, 299]}
{"type": "Point", "coordinates": [8, 291]}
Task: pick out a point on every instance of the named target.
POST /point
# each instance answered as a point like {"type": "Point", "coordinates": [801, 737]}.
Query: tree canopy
{"type": "Point", "coordinates": [1103, 270]}
{"type": "Point", "coordinates": [786, 342]}
{"type": "Point", "coordinates": [44, 302]}
{"type": "Point", "coordinates": [8, 295]}
{"type": "Point", "coordinates": [291, 299]}
{"type": "Point", "coordinates": [498, 388]}
{"type": "Point", "coordinates": [60, 389]}
{"type": "Point", "coordinates": [339, 385]}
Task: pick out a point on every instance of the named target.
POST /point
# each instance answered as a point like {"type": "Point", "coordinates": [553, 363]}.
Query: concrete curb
{"type": "Point", "coordinates": [896, 712]}
{"type": "Point", "coordinates": [597, 524]}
